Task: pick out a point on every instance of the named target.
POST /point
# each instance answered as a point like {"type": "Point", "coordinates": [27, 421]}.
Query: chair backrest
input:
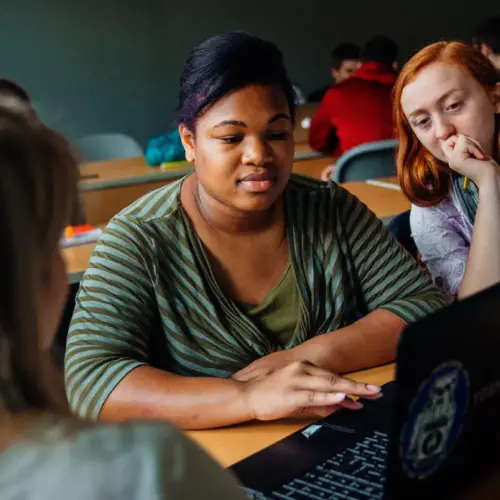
{"type": "Point", "coordinates": [101, 147]}
{"type": "Point", "coordinates": [303, 116]}
{"type": "Point", "coordinates": [368, 161]}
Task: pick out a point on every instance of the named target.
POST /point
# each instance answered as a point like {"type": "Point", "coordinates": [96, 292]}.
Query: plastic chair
{"type": "Point", "coordinates": [368, 161]}
{"type": "Point", "coordinates": [100, 147]}
{"type": "Point", "coordinates": [400, 228]}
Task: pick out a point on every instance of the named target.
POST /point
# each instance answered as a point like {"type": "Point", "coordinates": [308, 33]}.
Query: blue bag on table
{"type": "Point", "coordinates": [165, 148]}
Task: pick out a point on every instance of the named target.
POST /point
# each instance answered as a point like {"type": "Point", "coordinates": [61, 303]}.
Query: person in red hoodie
{"type": "Point", "coordinates": [358, 110]}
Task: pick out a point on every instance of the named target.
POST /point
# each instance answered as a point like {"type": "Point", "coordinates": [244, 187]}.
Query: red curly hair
{"type": "Point", "coordinates": [423, 178]}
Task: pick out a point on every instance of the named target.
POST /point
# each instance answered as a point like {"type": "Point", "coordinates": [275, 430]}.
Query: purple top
{"type": "Point", "coordinates": [443, 235]}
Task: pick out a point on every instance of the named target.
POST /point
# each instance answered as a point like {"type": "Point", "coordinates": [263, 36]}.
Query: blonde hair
{"type": "Point", "coordinates": [38, 183]}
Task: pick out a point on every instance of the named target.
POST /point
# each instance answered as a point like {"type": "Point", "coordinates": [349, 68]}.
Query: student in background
{"type": "Point", "coordinates": [44, 452]}
{"type": "Point", "coordinates": [486, 38]}
{"type": "Point", "coordinates": [234, 294]}
{"type": "Point", "coordinates": [344, 61]}
{"type": "Point", "coordinates": [358, 110]}
{"type": "Point", "coordinates": [447, 105]}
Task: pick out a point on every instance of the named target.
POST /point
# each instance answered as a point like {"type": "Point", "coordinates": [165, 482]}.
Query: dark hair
{"type": "Point", "coordinates": [228, 62]}
{"type": "Point", "coordinates": [489, 34]}
{"type": "Point", "coordinates": [343, 52]}
{"type": "Point", "coordinates": [380, 49]}
{"type": "Point", "coordinates": [12, 88]}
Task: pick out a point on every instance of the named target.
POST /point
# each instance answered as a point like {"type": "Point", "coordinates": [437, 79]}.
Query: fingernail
{"type": "Point", "coordinates": [358, 405]}
{"type": "Point", "coordinates": [373, 388]}
{"type": "Point", "coordinates": [340, 396]}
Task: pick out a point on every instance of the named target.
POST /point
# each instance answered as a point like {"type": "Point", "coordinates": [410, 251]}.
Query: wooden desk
{"type": "Point", "coordinates": [382, 201]}
{"type": "Point", "coordinates": [118, 183]}
{"type": "Point", "coordinates": [310, 162]}
{"type": "Point", "coordinates": [127, 172]}
{"type": "Point", "coordinates": [387, 182]}
{"type": "Point", "coordinates": [230, 445]}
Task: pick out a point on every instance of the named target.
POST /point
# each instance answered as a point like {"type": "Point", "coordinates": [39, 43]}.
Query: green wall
{"type": "Point", "coordinates": [113, 65]}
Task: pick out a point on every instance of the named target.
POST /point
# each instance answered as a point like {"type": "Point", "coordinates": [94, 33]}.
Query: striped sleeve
{"type": "Point", "coordinates": [386, 276]}
{"type": "Point", "coordinates": [109, 332]}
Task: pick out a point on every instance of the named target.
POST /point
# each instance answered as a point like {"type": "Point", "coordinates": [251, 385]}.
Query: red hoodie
{"type": "Point", "coordinates": [356, 111]}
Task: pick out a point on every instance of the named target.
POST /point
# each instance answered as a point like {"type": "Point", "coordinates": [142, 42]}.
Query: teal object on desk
{"type": "Point", "coordinates": [164, 149]}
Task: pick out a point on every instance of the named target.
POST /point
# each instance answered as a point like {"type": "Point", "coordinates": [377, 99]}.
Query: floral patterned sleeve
{"type": "Point", "coordinates": [444, 248]}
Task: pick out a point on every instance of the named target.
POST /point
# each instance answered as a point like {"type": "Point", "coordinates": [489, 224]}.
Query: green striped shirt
{"type": "Point", "coordinates": [149, 296]}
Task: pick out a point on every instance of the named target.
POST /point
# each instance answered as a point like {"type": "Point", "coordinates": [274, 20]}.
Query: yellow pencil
{"type": "Point", "coordinates": [466, 183]}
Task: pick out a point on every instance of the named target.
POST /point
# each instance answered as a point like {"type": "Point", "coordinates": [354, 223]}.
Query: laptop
{"type": "Point", "coordinates": [434, 434]}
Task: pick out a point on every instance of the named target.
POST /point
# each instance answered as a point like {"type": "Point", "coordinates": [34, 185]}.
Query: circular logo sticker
{"type": "Point", "coordinates": [435, 420]}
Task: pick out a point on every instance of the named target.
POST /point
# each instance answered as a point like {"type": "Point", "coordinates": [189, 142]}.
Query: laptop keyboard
{"type": "Point", "coordinates": [357, 473]}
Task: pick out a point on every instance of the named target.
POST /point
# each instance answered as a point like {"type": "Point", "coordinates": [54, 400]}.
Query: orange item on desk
{"type": "Point", "coordinates": [72, 230]}
{"type": "Point", "coordinates": [80, 235]}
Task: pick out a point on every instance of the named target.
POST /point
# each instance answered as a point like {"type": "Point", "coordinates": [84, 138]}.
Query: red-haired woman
{"type": "Point", "coordinates": [447, 100]}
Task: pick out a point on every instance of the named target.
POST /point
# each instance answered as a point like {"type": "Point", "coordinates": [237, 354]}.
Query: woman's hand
{"type": "Point", "coordinates": [327, 173]}
{"type": "Point", "coordinates": [267, 365]}
{"type": "Point", "coordinates": [303, 390]}
{"type": "Point", "coordinates": [467, 157]}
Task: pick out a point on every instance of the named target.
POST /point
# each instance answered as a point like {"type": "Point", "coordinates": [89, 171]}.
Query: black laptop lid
{"type": "Point", "coordinates": [446, 426]}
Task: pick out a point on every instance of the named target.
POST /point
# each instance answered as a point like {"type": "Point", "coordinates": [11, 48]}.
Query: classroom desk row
{"type": "Point", "coordinates": [382, 196]}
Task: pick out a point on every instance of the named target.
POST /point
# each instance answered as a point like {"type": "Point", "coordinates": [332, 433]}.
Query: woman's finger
{"type": "Point", "coordinates": [476, 143]}
{"type": "Point", "coordinates": [467, 147]}
{"type": "Point", "coordinates": [475, 149]}
{"type": "Point", "coordinates": [324, 411]}
{"type": "Point", "coordinates": [350, 404]}
{"type": "Point", "coordinates": [449, 145]}
{"type": "Point", "coordinates": [342, 384]}
{"type": "Point", "coordinates": [310, 398]}
{"type": "Point", "coordinates": [305, 381]}
{"type": "Point", "coordinates": [373, 397]}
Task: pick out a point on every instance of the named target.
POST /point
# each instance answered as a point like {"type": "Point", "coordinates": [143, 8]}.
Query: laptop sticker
{"type": "Point", "coordinates": [435, 420]}
{"type": "Point", "coordinates": [311, 430]}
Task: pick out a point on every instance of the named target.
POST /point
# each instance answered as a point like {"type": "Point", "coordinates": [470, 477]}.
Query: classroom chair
{"type": "Point", "coordinates": [400, 228]}
{"type": "Point", "coordinates": [368, 161]}
{"type": "Point", "coordinates": [101, 147]}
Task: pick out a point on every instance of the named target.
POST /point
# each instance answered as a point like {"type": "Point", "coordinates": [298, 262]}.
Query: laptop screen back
{"type": "Point", "coordinates": [446, 424]}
